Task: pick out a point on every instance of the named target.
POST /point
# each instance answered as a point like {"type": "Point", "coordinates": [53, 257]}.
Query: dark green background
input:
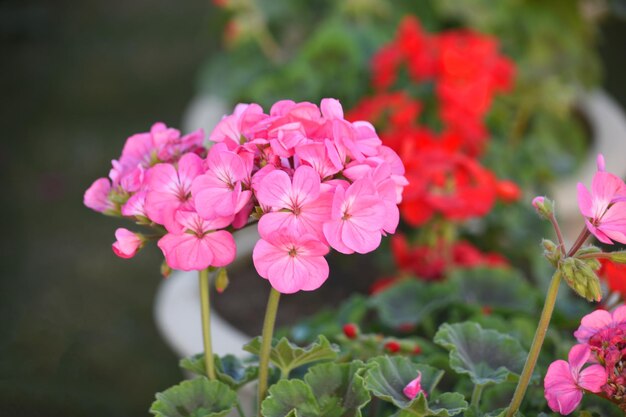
{"type": "Point", "coordinates": [77, 335]}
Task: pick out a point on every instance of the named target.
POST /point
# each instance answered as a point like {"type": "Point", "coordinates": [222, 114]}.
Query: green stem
{"type": "Point", "coordinates": [476, 394]}
{"type": "Point", "coordinates": [239, 409]}
{"type": "Point", "coordinates": [266, 344]}
{"type": "Point", "coordinates": [206, 322]}
{"type": "Point", "coordinates": [535, 348]}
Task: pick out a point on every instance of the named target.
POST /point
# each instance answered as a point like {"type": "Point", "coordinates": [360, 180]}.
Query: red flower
{"type": "Point", "coordinates": [615, 276]}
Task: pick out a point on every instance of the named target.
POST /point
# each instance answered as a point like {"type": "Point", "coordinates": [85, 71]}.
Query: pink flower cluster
{"type": "Point", "coordinates": [602, 343]}
{"type": "Point", "coordinates": [312, 179]}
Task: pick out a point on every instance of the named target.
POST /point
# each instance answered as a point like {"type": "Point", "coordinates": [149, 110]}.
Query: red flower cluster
{"type": "Point", "coordinates": [431, 262]}
{"type": "Point", "coordinates": [466, 72]}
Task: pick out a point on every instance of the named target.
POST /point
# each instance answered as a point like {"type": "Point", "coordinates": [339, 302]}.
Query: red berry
{"type": "Point", "coordinates": [351, 330]}
{"type": "Point", "coordinates": [392, 347]}
{"type": "Point", "coordinates": [486, 310]}
{"type": "Point", "coordinates": [417, 350]}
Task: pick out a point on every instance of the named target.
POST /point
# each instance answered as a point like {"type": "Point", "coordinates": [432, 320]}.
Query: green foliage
{"type": "Point", "coordinates": [195, 398]}
{"type": "Point", "coordinates": [328, 390]}
{"type": "Point", "coordinates": [410, 302]}
{"type": "Point", "coordinates": [229, 369]}
{"type": "Point", "coordinates": [388, 376]}
{"type": "Point", "coordinates": [286, 356]}
{"type": "Point", "coordinates": [500, 288]}
{"type": "Point", "coordinates": [487, 356]}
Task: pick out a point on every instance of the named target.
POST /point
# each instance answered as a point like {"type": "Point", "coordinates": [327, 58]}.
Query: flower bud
{"type": "Point", "coordinates": [221, 281]}
{"type": "Point", "coordinates": [351, 330]}
{"type": "Point", "coordinates": [551, 252]}
{"type": "Point", "coordinates": [392, 346]}
{"type": "Point", "coordinates": [618, 257]}
{"type": "Point", "coordinates": [165, 269]}
{"type": "Point", "coordinates": [543, 206]}
{"type": "Point", "coordinates": [581, 278]}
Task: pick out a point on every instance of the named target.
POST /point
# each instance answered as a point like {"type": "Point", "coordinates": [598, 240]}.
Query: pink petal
{"type": "Point", "coordinates": [591, 324]}
{"type": "Point", "coordinates": [414, 387]}
{"type": "Point", "coordinates": [619, 315]}
{"type": "Point", "coordinates": [189, 167]}
{"type": "Point", "coordinates": [287, 275]}
{"type": "Point", "coordinates": [97, 195]}
{"type": "Point", "coordinates": [271, 223]}
{"type": "Point", "coordinates": [561, 391]}
{"type": "Point", "coordinates": [223, 247]}
{"type": "Point", "coordinates": [274, 190]}
{"type": "Point", "coordinates": [359, 239]}
{"type": "Point", "coordinates": [584, 201]}
{"type": "Point", "coordinates": [264, 255]}
{"type": "Point", "coordinates": [593, 378]}
{"type": "Point", "coordinates": [333, 232]}
{"type": "Point", "coordinates": [185, 252]}
{"type": "Point", "coordinates": [306, 184]}
{"type": "Point", "coordinates": [578, 356]}
{"type": "Point", "coordinates": [605, 186]}
{"type": "Point", "coordinates": [602, 237]}
{"type": "Point", "coordinates": [331, 108]}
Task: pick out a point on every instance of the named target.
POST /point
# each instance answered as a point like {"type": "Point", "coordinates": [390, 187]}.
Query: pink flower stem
{"type": "Point", "coordinates": [209, 363]}
{"type": "Point", "coordinates": [559, 235]}
{"type": "Point", "coordinates": [584, 234]}
{"type": "Point", "coordinates": [266, 344]}
{"type": "Point", "coordinates": [535, 348]}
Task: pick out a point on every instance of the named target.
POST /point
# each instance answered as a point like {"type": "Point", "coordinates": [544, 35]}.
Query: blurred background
{"type": "Point", "coordinates": [78, 335]}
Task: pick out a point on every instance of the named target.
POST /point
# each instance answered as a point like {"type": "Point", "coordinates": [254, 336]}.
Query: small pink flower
{"type": "Point", "coordinates": [219, 193]}
{"type": "Point", "coordinates": [198, 244]}
{"type": "Point", "coordinates": [169, 187]}
{"type": "Point", "coordinates": [291, 262]}
{"type": "Point", "coordinates": [298, 204]}
{"type": "Point", "coordinates": [564, 382]}
{"type": "Point", "coordinates": [357, 218]}
{"type": "Point", "coordinates": [127, 243]}
{"type": "Point", "coordinates": [599, 320]}
{"type": "Point", "coordinates": [97, 196]}
{"type": "Point", "coordinates": [316, 155]}
{"type": "Point", "coordinates": [414, 387]}
{"type": "Point", "coordinates": [604, 208]}
{"type": "Point", "coordinates": [241, 126]}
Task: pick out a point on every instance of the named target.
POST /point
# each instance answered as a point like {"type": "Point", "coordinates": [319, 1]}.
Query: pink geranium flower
{"type": "Point", "coordinates": [219, 192]}
{"type": "Point", "coordinates": [291, 262]}
{"type": "Point", "coordinates": [357, 218]}
{"type": "Point", "coordinates": [564, 382]}
{"type": "Point", "coordinates": [298, 204]}
{"type": "Point", "coordinates": [198, 243]}
{"type": "Point", "coordinates": [599, 320]}
{"type": "Point", "coordinates": [604, 208]}
{"type": "Point", "coordinates": [414, 387]}
{"type": "Point", "coordinates": [127, 243]}
{"type": "Point", "coordinates": [169, 187]}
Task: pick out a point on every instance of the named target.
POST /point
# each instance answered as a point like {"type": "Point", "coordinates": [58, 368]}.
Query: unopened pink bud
{"type": "Point", "coordinates": [127, 243]}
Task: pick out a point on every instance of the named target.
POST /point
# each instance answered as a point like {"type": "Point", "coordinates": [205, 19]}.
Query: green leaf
{"type": "Point", "coordinates": [196, 398]}
{"type": "Point", "coordinates": [446, 405]}
{"type": "Point", "coordinates": [410, 301]}
{"type": "Point", "coordinates": [228, 369]}
{"type": "Point", "coordinates": [387, 377]}
{"type": "Point", "coordinates": [504, 289]}
{"type": "Point", "coordinates": [328, 390]}
{"type": "Point", "coordinates": [287, 356]}
{"type": "Point", "coordinates": [487, 356]}
{"type": "Point", "coordinates": [287, 396]}
{"type": "Point", "coordinates": [339, 385]}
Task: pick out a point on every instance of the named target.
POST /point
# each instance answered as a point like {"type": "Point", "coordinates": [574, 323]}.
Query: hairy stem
{"type": "Point", "coordinates": [266, 344]}
{"type": "Point", "coordinates": [206, 322]}
{"type": "Point", "coordinates": [535, 348]}
{"type": "Point", "coordinates": [476, 394]}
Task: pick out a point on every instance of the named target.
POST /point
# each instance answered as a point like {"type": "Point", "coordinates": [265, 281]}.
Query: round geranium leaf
{"type": "Point", "coordinates": [196, 398]}
{"type": "Point", "coordinates": [486, 355]}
